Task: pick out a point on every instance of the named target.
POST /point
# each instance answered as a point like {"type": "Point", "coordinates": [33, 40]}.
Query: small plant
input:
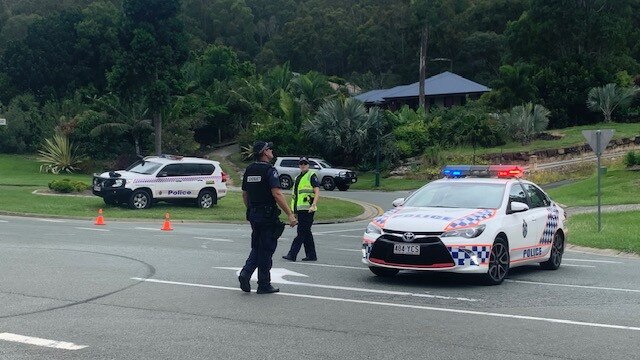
{"type": "Point", "coordinates": [631, 159]}
{"type": "Point", "coordinates": [59, 155]}
{"type": "Point", "coordinates": [66, 186]}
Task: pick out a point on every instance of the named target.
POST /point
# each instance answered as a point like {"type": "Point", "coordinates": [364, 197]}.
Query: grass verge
{"type": "Point", "coordinates": [618, 231]}
{"type": "Point", "coordinates": [618, 186]}
{"type": "Point", "coordinates": [21, 200]}
{"type": "Point", "coordinates": [366, 181]}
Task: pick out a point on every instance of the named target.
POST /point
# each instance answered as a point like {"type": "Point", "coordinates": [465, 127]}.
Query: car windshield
{"type": "Point", "coordinates": [144, 167]}
{"type": "Point", "coordinates": [458, 195]}
{"type": "Point", "coordinates": [325, 164]}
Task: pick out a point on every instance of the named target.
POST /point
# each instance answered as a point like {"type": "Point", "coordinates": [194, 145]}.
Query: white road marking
{"type": "Point", "coordinates": [278, 274]}
{"type": "Point", "coordinates": [92, 229]}
{"type": "Point", "coordinates": [146, 228]}
{"type": "Point", "coordinates": [417, 307]}
{"type": "Point", "coordinates": [213, 239]}
{"type": "Point", "coordinates": [351, 236]}
{"type": "Point", "coordinates": [595, 261]}
{"type": "Point", "coordinates": [40, 342]}
{"type": "Point", "coordinates": [3, 221]}
{"type": "Point", "coordinates": [354, 250]}
{"type": "Point", "coordinates": [334, 231]}
{"type": "Point", "coordinates": [328, 265]}
{"type": "Point", "coordinates": [574, 286]}
{"type": "Point", "coordinates": [574, 265]}
{"type": "Point", "coordinates": [50, 220]}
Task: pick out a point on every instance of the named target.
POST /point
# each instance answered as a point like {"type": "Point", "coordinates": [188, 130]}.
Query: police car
{"type": "Point", "coordinates": [166, 177]}
{"type": "Point", "coordinates": [478, 219]}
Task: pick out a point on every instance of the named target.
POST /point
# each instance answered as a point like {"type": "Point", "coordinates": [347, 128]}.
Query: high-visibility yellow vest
{"type": "Point", "coordinates": [302, 198]}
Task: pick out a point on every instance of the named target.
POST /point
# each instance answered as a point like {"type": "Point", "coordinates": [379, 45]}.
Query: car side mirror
{"type": "Point", "coordinates": [398, 202]}
{"type": "Point", "coordinates": [317, 167]}
{"type": "Point", "coordinates": [518, 207]}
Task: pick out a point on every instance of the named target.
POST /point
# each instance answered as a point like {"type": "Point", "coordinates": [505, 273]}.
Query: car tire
{"type": "Point", "coordinates": [328, 183]}
{"type": "Point", "coordinates": [285, 182]}
{"type": "Point", "coordinates": [110, 200]}
{"type": "Point", "coordinates": [206, 199]}
{"type": "Point", "coordinates": [343, 187]}
{"type": "Point", "coordinates": [383, 272]}
{"type": "Point", "coordinates": [140, 199]}
{"type": "Point", "coordinates": [557, 249]}
{"type": "Point", "coordinates": [498, 262]}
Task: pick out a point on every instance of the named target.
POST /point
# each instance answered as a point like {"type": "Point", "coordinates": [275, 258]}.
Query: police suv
{"type": "Point", "coordinates": [166, 177]}
{"type": "Point", "coordinates": [329, 177]}
{"type": "Point", "coordinates": [480, 219]}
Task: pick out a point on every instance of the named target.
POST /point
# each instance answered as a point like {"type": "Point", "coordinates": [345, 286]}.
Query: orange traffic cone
{"type": "Point", "coordinates": [167, 224]}
{"type": "Point", "coordinates": [100, 218]}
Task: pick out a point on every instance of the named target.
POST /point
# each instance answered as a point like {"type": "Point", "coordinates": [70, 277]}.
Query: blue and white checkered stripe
{"type": "Point", "coordinates": [463, 258]}
{"type": "Point", "coordinates": [471, 219]}
{"type": "Point", "coordinates": [367, 251]}
{"type": "Point", "coordinates": [551, 226]}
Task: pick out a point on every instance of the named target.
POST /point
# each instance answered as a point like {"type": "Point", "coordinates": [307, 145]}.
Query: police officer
{"type": "Point", "coordinates": [261, 192]}
{"type": "Point", "coordinates": [304, 202]}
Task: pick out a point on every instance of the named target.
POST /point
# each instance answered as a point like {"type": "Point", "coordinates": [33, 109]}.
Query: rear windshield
{"type": "Point", "coordinates": [458, 195]}
{"type": "Point", "coordinates": [144, 167]}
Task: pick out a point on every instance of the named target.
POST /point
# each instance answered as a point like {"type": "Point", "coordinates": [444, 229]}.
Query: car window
{"type": "Point", "coordinates": [206, 169]}
{"type": "Point", "coordinates": [172, 170]}
{"type": "Point", "coordinates": [537, 196]}
{"type": "Point", "coordinates": [289, 163]}
{"type": "Point", "coordinates": [517, 194]}
{"type": "Point", "coordinates": [144, 167]}
{"type": "Point", "coordinates": [191, 169]}
{"type": "Point", "coordinates": [325, 164]}
{"type": "Point", "coordinates": [458, 195]}
{"type": "Point", "coordinates": [314, 165]}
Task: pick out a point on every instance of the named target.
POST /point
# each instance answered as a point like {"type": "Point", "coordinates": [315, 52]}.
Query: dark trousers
{"type": "Point", "coordinates": [264, 240]}
{"type": "Point", "coordinates": [305, 220]}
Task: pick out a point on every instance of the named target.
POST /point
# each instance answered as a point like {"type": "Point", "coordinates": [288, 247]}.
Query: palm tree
{"type": "Point", "coordinates": [344, 126]}
{"type": "Point", "coordinates": [130, 118]}
{"type": "Point", "coordinates": [523, 122]}
{"type": "Point", "coordinates": [312, 88]}
{"type": "Point", "coordinates": [610, 97]}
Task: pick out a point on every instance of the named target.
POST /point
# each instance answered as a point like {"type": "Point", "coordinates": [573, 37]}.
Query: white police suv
{"type": "Point", "coordinates": [480, 219]}
{"type": "Point", "coordinates": [166, 177]}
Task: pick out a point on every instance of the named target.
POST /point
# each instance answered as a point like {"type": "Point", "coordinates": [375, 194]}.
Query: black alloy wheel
{"type": "Point", "coordinates": [285, 182]}
{"type": "Point", "coordinates": [557, 250]}
{"type": "Point", "coordinates": [343, 187]}
{"type": "Point", "coordinates": [498, 262]}
{"type": "Point", "coordinates": [140, 199]}
{"type": "Point", "coordinates": [328, 183]}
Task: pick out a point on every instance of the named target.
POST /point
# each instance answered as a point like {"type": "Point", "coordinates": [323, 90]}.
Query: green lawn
{"type": "Point", "coordinates": [618, 186]}
{"type": "Point", "coordinates": [619, 231]}
{"type": "Point", "coordinates": [366, 181]}
{"type": "Point", "coordinates": [19, 177]}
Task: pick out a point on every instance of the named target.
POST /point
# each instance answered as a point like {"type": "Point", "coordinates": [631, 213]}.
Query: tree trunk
{"type": "Point", "coordinates": [423, 66]}
{"type": "Point", "coordinates": [157, 127]}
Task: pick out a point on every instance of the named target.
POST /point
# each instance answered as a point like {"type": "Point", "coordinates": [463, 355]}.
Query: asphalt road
{"type": "Point", "coordinates": [72, 290]}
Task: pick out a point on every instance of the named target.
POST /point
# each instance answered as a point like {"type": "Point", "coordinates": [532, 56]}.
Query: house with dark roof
{"type": "Point", "coordinates": [446, 89]}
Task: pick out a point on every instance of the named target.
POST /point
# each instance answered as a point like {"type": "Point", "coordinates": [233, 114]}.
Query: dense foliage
{"type": "Point", "coordinates": [112, 74]}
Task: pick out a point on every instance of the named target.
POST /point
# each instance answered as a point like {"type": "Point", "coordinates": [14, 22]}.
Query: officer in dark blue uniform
{"type": "Point", "coordinates": [261, 192]}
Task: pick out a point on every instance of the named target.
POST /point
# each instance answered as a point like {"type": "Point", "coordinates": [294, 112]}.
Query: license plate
{"type": "Point", "coordinates": [97, 187]}
{"type": "Point", "coordinates": [403, 249]}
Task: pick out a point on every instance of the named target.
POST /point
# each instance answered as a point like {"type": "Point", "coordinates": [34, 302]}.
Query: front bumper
{"type": "Point", "coordinates": [434, 255]}
{"type": "Point", "coordinates": [102, 187]}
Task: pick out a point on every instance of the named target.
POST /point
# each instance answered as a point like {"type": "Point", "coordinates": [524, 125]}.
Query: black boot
{"type": "Point", "coordinates": [244, 283]}
{"type": "Point", "coordinates": [267, 289]}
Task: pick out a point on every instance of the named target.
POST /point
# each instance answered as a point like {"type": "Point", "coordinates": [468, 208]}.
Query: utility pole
{"type": "Point", "coordinates": [423, 66]}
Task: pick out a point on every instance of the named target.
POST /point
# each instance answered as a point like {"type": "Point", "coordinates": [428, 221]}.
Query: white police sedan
{"type": "Point", "coordinates": [481, 219]}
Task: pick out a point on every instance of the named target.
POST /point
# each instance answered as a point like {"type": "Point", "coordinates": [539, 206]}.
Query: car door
{"type": "Point", "coordinates": [519, 225]}
{"type": "Point", "coordinates": [169, 182]}
{"type": "Point", "coordinates": [194, 178]}
{"type": "Point", "coordinates": [539, 205]}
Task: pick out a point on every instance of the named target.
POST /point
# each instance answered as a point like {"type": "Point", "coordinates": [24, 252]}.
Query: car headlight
{"type": "Point", "coordinates": [342, 174]}
{"type": "Point", "coordinates": [118, 183]}
{"type": "Point", "coordinates": [373, 229]}
{"type": "Point", "coordinates": [466, 232]}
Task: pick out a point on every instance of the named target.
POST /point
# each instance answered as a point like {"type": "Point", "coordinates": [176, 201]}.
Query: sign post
{"type": "Point", "coordinates": [3, 122]}
{"type": "Point", "coordinates": [598, 140]}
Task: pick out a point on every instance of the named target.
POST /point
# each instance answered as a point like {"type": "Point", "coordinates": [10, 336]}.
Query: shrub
{"type": "Point", "coordinates": [66, 186]}
{"type": "Point", "coordinates": [59, 154]}
{"type": "Point", "coordinates": [631, 159]}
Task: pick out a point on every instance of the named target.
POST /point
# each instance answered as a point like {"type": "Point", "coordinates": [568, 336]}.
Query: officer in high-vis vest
{"type": "Point", "coordinates": [261, 192]}
{"type": "Point", "coordinates": [304, 202]}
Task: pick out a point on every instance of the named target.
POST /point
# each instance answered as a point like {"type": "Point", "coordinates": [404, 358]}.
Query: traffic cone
{"type": "Point", "coordinates": [167, 224]}
{"type": "Point", "coordinates": [100, 218]}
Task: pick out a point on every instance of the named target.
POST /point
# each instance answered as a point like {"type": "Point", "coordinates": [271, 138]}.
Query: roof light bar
{"type": "Point", "coordinates": [501, 171]}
